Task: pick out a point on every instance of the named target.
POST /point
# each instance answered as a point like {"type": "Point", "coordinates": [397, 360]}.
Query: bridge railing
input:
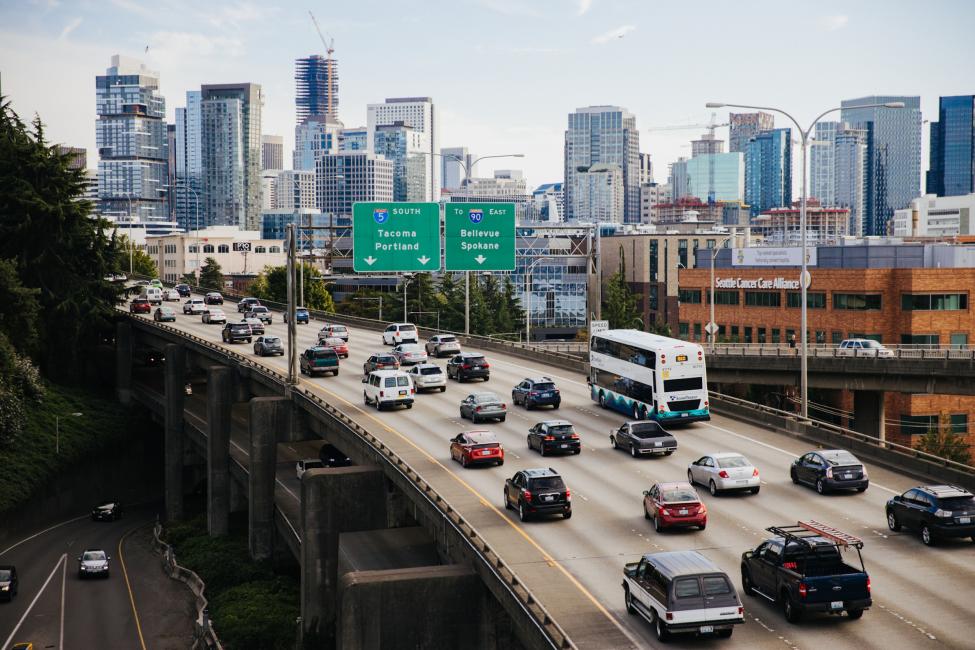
{"type": "Point", "coordinates": [905, 351]}
{"type": "Point", "coordinates": [450, 516]}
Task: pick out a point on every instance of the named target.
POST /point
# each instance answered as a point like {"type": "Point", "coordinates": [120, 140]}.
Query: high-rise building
{"type": "Point", "coordinates": [893, 155]}
{"type": "Point", "coordinates": [269, 190]}
{"type": "Point", "coordinates": [822, 163]}
{"type": "Point", "coordinates": [652, 195]}
{"type": "Point", "coordinates": [343, 179]}
{"type": "Point", "coordinates": [745, 126]}
{"type": "Point", "coordinates": [231, 142]}
{"type": "Point", "coordinates": [646, 169]}
{"type": "Point", "coordinates": [452, 170]}
{"type": "Point", "coordinates": [420, 114]}
{"type": "Point", "coordinates": [850, 162]}
{"type": "Point", "coordinates": [600, 194]}
{"type": "Point", "coordinates": [601, 135]}
{"type": "Point", "coordinates": [716, 177]}
{"type": "Point", "coordinates": [952, 156]}
{"type": "Point", "coordinates": [272, 152]}
{"type": "Point", "coordinates": [549, 203]}
{"type": "Point", "coordinates": [314, 138]}
{"type": "Point", "coordinates": [936, 216]}
{"type": "Point", "coordinates": [678, 179]}
{"type": "Point", "coordinates": [316, 88]}
{"type": "Point", "coordinates": [404, 146]}
{"type": "Point", "coordinates": [707, 144]}
{"type": "Point", "coordinates": [130, 132]}
{"type": "Point", "coordinates": [768, 170]}
{"type": "Point", "coordinates": [79, 156]}
{"type": "Point", "coordinates": [294, 189]}
{"type": "Point", "coordinates": [354, 139]}
{"type": "Point", "coordinates": [190, 207]}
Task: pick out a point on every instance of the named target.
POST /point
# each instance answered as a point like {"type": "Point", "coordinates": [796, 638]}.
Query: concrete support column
{"type": "Point", "coordinates": [333, 501]}
{"type": "Point", "coordinates": [175, 390]}
{"type": "Point", "coordinates": [267, 416]}
{"type": "Point", "coordinates": [869, 413]}
{"type": "Point", "coordinates": [220, 382]}
{"type": "Point", "coordinates": [123, 362]}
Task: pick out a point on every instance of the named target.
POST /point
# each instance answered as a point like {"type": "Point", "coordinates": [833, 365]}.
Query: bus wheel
{"type": "Point", "coordinates": [643, 413]}
{"type": "Point", "coordinates": [636, 412]}
{"type": "Point", "coordinates": [602, 399]}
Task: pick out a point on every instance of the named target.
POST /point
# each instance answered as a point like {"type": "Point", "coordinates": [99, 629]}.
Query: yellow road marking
{"type": "Point", "coordinates": [135, 612]}
{"type": "Point", "coordinates": [551, 561]}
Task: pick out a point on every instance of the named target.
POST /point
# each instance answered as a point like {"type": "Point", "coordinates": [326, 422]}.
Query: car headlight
{"type": "Point", "coordinates": [942, 513]}
{"type": "Point", "coordinates": [5, 588]}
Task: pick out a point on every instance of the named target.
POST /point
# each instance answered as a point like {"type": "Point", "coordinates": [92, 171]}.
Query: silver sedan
{"type": "Point", "coordinates": [724, 471]}
{"type": "Point", "coordinates": [483, 406]}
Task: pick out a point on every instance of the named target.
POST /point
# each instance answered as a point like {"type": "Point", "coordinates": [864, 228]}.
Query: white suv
{"type": "Point", "coordinates": [428, 376]}
{"type": "Point", "coordinates": [383, 388]}
{"type": "Point", "coordinates": [194, 306]}
{"type": "Point", "coordinates": [863, 348]}
{"type": "Point", "coordinates": [400, 333]}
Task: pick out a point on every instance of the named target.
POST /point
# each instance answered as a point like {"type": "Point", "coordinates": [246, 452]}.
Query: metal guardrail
{"type": "Point", "coordinates": [962, 353]}
{"type": "Point", "coordinates": [203, 631]}
{"type": "Point", "coordinates": [451, 517]}
{"type": "Point", "coordinates": [861, 437]}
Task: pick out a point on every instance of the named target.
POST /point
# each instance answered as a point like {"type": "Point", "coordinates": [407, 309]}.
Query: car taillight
{"type": "Point", "coordinates": [803, 590]}
{"type": "Point", "coordinates": [528, 495]}
{"type": "Point", "coordinates": [574, 436]}
{"type": "Point", "coordinates": [486, 365]}
{"type": "Point", "coordinates": [702, 509]}
{"type": "Point", "coordinates": [670, 616]}
{"type": "Point", "coordinates": [868, 585]}
{"type": "Point", "coordinates": [504, 406]}
{"type": "Point", "coordinates": [829, 472]}
{"type": "Point", "coordinates": [550, 437]}
{"type": "Point", "coordinates": [663, 359]}
{"type": "Point", "coordinates": [478, 409]}
{"type": "Point", "coordinates": [741, 611]}
{"type": "Point", "coordinates": [466, 366]}
{"type": "Point", "coordinates": [864, 470]}
{"type": "Point", "coordinates": [723, 474]}
{"type": "Point", "coordinates": [382, 394]}
{"type": "Point", "coordinates": [663, 511]}
{"type": "Point", "coordinates": [568, 494]}
{"type": "Point", "coordinates": [705, 403]}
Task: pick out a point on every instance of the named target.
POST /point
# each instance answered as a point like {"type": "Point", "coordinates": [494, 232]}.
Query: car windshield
{"type": "Point", "coordinates": [216, 312]}
{"type": "Point", "coordinates": [486, 398]}
{"type": "Point", "coordinates": [871, 344]}
{"type": "Point", "coordinates": [93, 556]}
{"type": "Point", "coordinates": [323, 354]}
{"type": "Point", "coordinates": [410, 348]}
{"type": "Point", "coordinates": [474, 359]}
{"type": "Point", "coordinates": [544, 386]}
{"type": "Point", "coordinates": [334, 341]}
{"type": "Point", "coordinates": [4, 575]}
{"type": "Point", "coordinates": [338, 328]}
{"type": "Point", "coordinates": [240, 327]}
{"type": "Point", "coordinates": [407, 328]}
{"type": "Point", "coordinates": [956, 503]}
{"type": "Point", "coordinates": [840, 458]}
{"type": "Point", "coordinates": [677, 495]}
{"type": "Point", "coordinates": [448, 339]}
{"type": "Point", "coordinates": [257, 309]}
{"type": "Point", "coordinates": [272, 340]}
{"type": "Point", "coordinates": [385, 359]}
{"type": "Point", "coordinates": [644, 430]}
{"type": "Point", "coordinates": [732, 461]}
{"type": "Point", "coordinates": [301, 310]}
{"type": "Point", "coordinates": [560, 429]}
{"type": "Point", "coordinates": [482, 437]}
{"type": "Point", "coordinates": [432, 370]}
{"type": "Point", "coordinates": [166, 310]}
{"type": "Point", "coordinates": [547, 483]}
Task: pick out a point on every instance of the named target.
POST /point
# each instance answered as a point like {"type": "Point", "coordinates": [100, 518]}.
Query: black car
{"type": "Point", "coordinates": [234, 332]}
{"type": "Point", "coordinates": [246, 304]}
{"type": "Point", "coordinates": [643, 438]}
{"type": "Point", "coordinates": [183, 290]}
{"type": "Point", "coordinates": [537, 492]}
{"type": "Point", "coordinates": [331, 456]}
{"type": "Point", "coordinates": [830, 469]}
{"type": "Point", "coordinates": [538, 391]}
{"type": "Point", "coordinates": [556, 436]}
{"type": "Point", "coordinates": [380, 361]}
{"type": "Point", "coordinates": [934, 511]}
{"type": "Point", "coordinates": [268, 345]}
{"type": "Point", "coordinates": [213, 298]}
{"type": "Point", "coordinates": [8, 581]}
{"type": "Point", "coordinates": [468, 365]}
{"type": "Point", "coordinates": [107, 511]}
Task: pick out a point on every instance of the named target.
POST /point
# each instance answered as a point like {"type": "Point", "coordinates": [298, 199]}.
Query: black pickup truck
{"type": "Point", "coordinates": [801, 568]}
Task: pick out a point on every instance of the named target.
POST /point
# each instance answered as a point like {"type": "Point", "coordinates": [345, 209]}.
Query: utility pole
{"type": "Point", "coordinates": [292, 325]}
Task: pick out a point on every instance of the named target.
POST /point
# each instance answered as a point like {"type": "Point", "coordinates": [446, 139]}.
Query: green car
{"type": "Point", "coordinates": [156, 282]}
{"type": "Point", "coordinates": [319, 360]}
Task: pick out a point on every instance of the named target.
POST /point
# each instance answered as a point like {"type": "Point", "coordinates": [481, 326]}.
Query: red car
{"type": "Point", "coordinates": [140, 306]}
{"type": "Point", "coordinates": [476, 448]}
{"type": "Point", "coordinates": [340, 346]}
{"type": "Point", "coordinates": [674, 505]}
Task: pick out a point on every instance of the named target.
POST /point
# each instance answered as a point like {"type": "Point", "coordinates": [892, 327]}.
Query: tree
{"type": "Point", "coordinates": [619, 303]}
{"type": "Point", "coordinates": [943, 441]}
{"type": "Point", "coordinates": [211, 275]}
{"type": "Point", "coordinates": [188, 278]}
{"type": "Point", "coordinates": [47, 232]}
{"type": "Point", "coordinates": [141, 264]}
{"type": "Point", "coordinates": [271, 285]}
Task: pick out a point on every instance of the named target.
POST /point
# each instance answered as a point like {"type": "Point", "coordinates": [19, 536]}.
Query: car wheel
{"type": "Point", "coordinates": [820, 486]}
{"type": "Point", "coordinates": [690, 477]}
{"type": "Point", "coordinates": [507, 504]}
{"type": "Point", "coordinates": [462, 416]}
{"type": "Point", "coordinates": [663, 634]}
{"type": "Point", "coordinates": [443, 388]}
{"type": "Point", "coordinates": [892, 522]}
{"type": "Point", "coordinates": [474, 419]}
{"type": "Point", "coordinates": [792, 613]}
{"type": "Point", "coordinates": [926, 535]}
{"type": "Point", "coordinates": [756, 489]}
{"type": "Point", "coordinates": [854, 614]}
{"type": "Point", "coordinates": [567, 515]}
{"type": "Point", "coordinates": [409, 406]}
{"type": "Point", "coordinates": [724, 634]}
{"type": "Point", "coordinates": [612, 441]}
{"type": "Point", "coordinates": [636, 412]}
{"type": "Point", "coordinates": [521, 512]}
{"type": "Point", "coordinates": [862, 489]}
{"type": "Point", "coordinates": [712, 488]}
{"type": "Point", "coordinates": [793, 476]}
{"type": "Point", "coordinates": [486, 378]}
{"type": "Point", "coordinates": [703, 526]}
{"type": "Point", "coordinates": [528, 439]}
{"type": "Point", "coordinates": [628, 599]}
{"type": "Point", "coordinates": [656, 525]}
{"type": "Point", "coordinates": [500, 463]}
{"type": "Point", "coordinates": [463, 460]}
{"type": "Point", "coordinates": [529, 405]}
{"type": "Point", "coordinates": [633, 450]}
{"type": "Point", "coordinates": [503, 417]}
{"type": "Point", "coordinates": [646, 514]}
{"type": "Point", "coordinates": [541, 449]}
{"type": "Point", "coordinates": [746, 584]}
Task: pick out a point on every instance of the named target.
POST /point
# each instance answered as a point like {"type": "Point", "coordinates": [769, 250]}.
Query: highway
{"type": "Point", "coordinates": [917, 591]}
{"type": "Point", "coordinates": [133, 608]}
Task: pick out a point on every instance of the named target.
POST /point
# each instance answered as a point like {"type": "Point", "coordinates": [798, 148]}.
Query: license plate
{"type": "Point", "coordinates": [683, 415]}
{"type": "Point", "coordinates": [836, 604]}
{"type": "Point", "coordinates": [707, 629]}
{"type": "Point", "coordinates": [658, 444]}
{"type": "Point", "coordinates": [485, 453]}
{"type": "Point", "coordinates": [682, 512]}
{"type": "Point", "coordinates": [546, 394]}
{"type": "Point", "coordinates": [402, 393]}
{"type": "Point", "coordinates": [564, 446]}
{"type": "Point", "coordinates": [964, 520]}
{"type": "Point", "coordinates": [848, 476]}
{"type": "Point", "coordinates": [741, 482]}
{"type": "Point", "coordinates": [550, 498]}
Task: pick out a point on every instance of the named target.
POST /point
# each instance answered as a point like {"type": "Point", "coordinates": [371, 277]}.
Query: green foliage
{"type": "Point", "coordinates": [211, 275]}
{"type": "Point", "coordinates": [223, 560]}
{"type": "Point", "coordinates": [272, 285]}
{"type": "Point", "coordinates": [619, 303]}
{"type": "Point", "coordinates": [188, 278]}
{"type": "Point", "coordinates": [942, 441]}
{"type": "Point", "coordinates": [257, 615]}
{"type": "Point", "coordinates": [661, 328]}
{"type": "Point", "coordinates": [47, 233]}
{"type": "Point", "coordinates": [141, 263]}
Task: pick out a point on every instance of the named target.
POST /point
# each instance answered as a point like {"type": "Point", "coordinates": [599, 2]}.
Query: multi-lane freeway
{"type": "Point", "coordinates": [919, 593]}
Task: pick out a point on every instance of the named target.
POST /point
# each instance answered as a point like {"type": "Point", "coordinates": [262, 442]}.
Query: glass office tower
{"type": "Point", "coordinates": [768, 170]}
{"type": "Point", "coordinates": [952, 168]}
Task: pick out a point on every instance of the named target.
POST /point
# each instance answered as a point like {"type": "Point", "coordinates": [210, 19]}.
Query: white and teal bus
{"type": "Point", "coordinates": [648, 377]}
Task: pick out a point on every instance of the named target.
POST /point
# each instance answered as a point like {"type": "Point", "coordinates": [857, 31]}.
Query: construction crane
{"type": "Point", "coordinates": [329, 49]}
{"type": "Point", "coordinates": [711, 126]}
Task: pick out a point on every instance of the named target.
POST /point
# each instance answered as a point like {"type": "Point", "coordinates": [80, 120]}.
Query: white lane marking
{"type": "Point", "coordinates": [63, 558]}
{"type": "Point", "coordinates": [911, 623]}
{"type": "Point", "coordinates": [38, 534]}
{"type": "Point", "coordinates": [783, 451]}
{"type": "Point", "coordinates": [64, 582]}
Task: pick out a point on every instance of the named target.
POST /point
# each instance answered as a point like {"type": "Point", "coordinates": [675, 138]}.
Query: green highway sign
{"type": "Point", "coordinates": [395, 237]}
{"type": "Point", "coordinates": [479, 236]}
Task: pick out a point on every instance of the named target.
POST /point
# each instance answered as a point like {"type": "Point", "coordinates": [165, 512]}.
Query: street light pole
{"type": "Point", "coordinates": [712, 324]}
{"type": "Point", "coordinates": [407, 278]}
{"type": "Point", "coordinates": [292, 325]}
{"type": "Point", "coordinates": [804, 275]}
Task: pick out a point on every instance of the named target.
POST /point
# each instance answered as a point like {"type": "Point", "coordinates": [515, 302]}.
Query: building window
{"type": "Point", "coordinates": [934, 301]}
{"type": "Point", "coordinates": [959, 339]}
{"type": "Point", "coordinates": [761, 335]}
{"type": "Point", "coordinates": [223, 248]}
{"type": "Point", "coordinates": [207, 248]}
{"type": "Point", "coordinates": [776, 335]}
{"type": "Point", "coordinates": [684, 330]}
{"type": "Point", "coordinates": [682, 252]}
{"type": "Point", "coordinates": [820, 336]}
{"type": "Point", "coordinates": [814, 300]}
{"type": "Point", "coordinates": [724, 297]}
{"type": "Point", "coordinates": [836, 337]}
{"type": "Point", "coordinates": [274, 249]}
{"type": "Point", "coordinates": [920, 339]}
{"type": "Point", "coordinates": [734, 334]}
{"type": "Point", "coordinates": [697, 331]}
{"type": "Point", "coordinates": [857, 301]}
{"type": "Point", "coordinates": [748, 334]}
{"type": "Point", "coordinates": [918, 425]}
{"type": "Point", "coordinates": [689, 296]}
{"type": "Point", "coordinates": [192, 249]}
{"type": "Point", "coordinates": [762, 298]}
{"type": "Point", "coordinates": [260, 249]}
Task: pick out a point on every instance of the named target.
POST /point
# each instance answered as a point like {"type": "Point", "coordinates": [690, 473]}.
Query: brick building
{"type": "Point", "coordinates": [926, 304]}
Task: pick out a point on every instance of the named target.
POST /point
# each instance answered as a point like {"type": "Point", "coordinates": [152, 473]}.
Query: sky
{"type": "Point", "coordinates": [504, 74]}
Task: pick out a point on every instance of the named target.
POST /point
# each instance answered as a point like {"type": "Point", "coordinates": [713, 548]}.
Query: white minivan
{"type": "Point", "coordinates": [153, 294]}
{"type": "Point", "coordinates": [382, 388]}
{"type": "Point", "coordinates": [400, 333]}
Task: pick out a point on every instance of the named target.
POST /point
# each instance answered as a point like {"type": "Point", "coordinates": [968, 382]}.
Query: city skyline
{"type": "Point", "coordinates": [233, 42]}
